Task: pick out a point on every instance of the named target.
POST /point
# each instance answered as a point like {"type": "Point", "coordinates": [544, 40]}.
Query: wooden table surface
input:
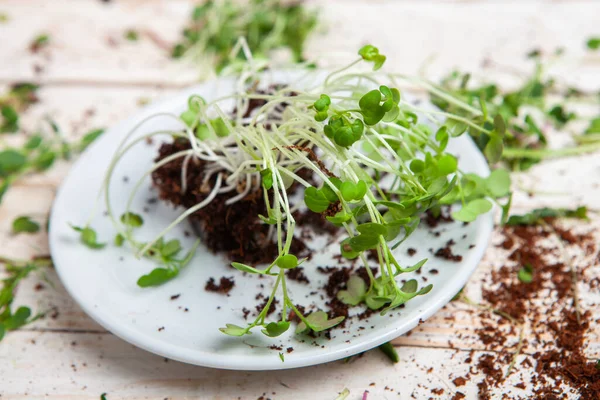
{"type": "Point", "coordinates": [92, 77]}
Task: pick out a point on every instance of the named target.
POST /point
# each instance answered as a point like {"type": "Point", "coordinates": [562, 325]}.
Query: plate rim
{"type": "Point", "coordinates": [213, 359]}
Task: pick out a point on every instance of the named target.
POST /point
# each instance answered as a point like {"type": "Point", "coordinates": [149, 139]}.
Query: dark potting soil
{"type": "Point", "coordinates": [232, 229]}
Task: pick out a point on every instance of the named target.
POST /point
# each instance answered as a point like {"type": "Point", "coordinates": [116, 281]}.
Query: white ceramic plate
{"type": "Point", "coordinates": [103, 282]}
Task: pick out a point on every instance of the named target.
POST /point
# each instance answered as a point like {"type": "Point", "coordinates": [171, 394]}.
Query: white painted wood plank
{"type": "Point", "coordinates": [412, 33]}
{"type": "Point", "coordinates": [458, 34]}
{"type": "Point", "coordinates": [82, 366]}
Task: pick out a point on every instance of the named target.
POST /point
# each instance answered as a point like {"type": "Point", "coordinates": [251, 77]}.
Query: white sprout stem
{"type": "Point", "coordinates": [293, 176]}
{"type": "Point", "coordinates": [183, 216]}
{"type": "Point", "coordinates": [449, 116]}
{"type": "Point", "coordinates": [164, 161]}
{"type": "Point", "coordinates": [184, 168]}
{"type": "Point", "coordinates": [244, 193]}
{"type": "Point", "coordinates": [440, 93]}
{"type": "Point", "coordinates": [109, 172]}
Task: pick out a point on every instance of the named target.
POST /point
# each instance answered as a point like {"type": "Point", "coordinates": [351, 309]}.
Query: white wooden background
{"type": "Point", "coordinates": [71, 357]}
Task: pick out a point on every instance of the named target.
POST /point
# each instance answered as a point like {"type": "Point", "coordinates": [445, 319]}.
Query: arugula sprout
{"type": "Point", "coordinates": [165, 253]}
{"type": "Point", "coordinates": [266, 25]}
{"type": "Point", "coordinates": [318, 321]}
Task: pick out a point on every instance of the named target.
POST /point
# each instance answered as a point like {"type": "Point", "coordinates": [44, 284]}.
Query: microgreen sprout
{"type": "Point", "coordinates": [40, 150]}
{"type": "Point", "coordinates": [377, 164]}
{"type": "Point", "coordinates": [517, 133]}
{"type": "Point", "coordinates": [371, 53]}
{"type": "Point", "coordinates": [88, 237]}
{"type": "Point", "coordinates": [267, 25]}
{"type": "Point", "coordinates": [25, 224]}
{"type": "Point", "coordinates": [16, 271]}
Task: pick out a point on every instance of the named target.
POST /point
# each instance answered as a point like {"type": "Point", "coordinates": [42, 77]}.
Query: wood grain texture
{"type": "Point", "coordinates": [88, 44]}
{"type": "Point", "coordinates": [93, 78]}
{"type": "Point", "coordinates": [81, 366]}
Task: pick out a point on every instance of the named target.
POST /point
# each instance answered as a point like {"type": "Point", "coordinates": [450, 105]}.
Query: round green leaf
{"type": "Point", "coordinates": [132, 219]}
{"type": "Point", "coordinates": [315, 200]}
{"type": "Point", "coordinates": [11, 161]}
{"type": "Point", "coordinates": [371, 229]}
{"type": "Point", "coordinates": [498, 183]}
{"type": "Point", "coordinates": [287, 261]}
{"type": "Point", "coordinates": [493, 149]}
{"type": "Point", "coordinates": [274, 329]}
{"type": "Point", "coordinates": [370, 101]}
{"type": "Point", "coordinates": [188, 117]}
{"type": "Point", "coordinates": [447, 164]}
{"type": "Point", "coordinates": [456, 128]}
{"type": "Point", "coordinates": [347, 251]}
{"type": "Point", "coordinates": [417, 166]}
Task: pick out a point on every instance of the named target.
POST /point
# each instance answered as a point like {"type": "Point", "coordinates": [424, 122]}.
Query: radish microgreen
{"type": "Point", "coordinates": [267, 25]}
{"type": "Point", "coordinates": [317, 321]}
{"type": "Point", "coordinates": [355, 293]}
{"type": "Point", "coordinates": [378, 162]}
